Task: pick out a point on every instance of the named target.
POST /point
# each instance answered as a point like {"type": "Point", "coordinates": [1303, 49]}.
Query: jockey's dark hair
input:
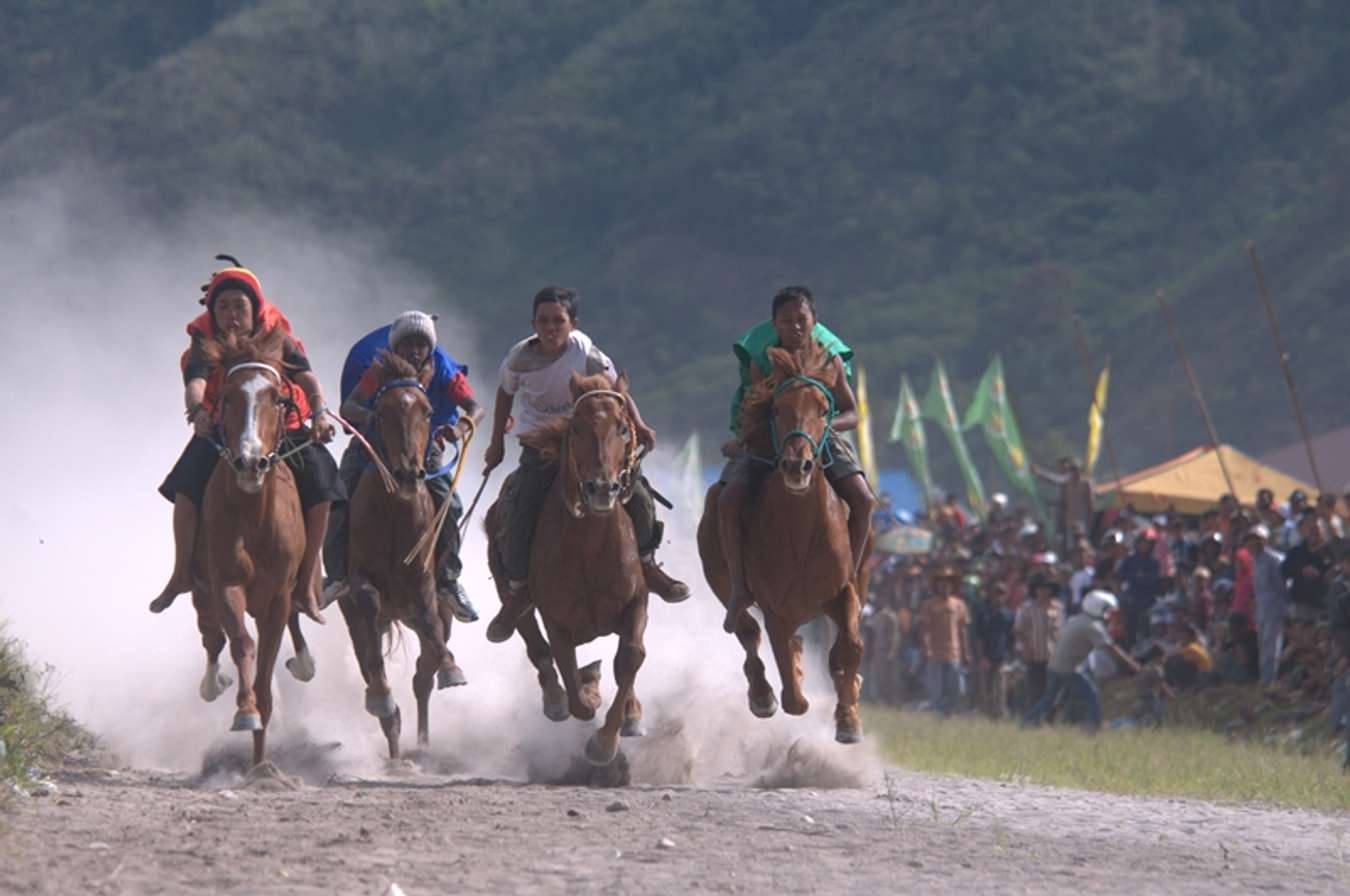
{"type": "Point", "coordinates": [559, 295]}
{"type": "Point", "coordinates": [789, 294]}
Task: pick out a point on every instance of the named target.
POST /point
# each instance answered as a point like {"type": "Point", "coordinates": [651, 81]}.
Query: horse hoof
{"type": "Point", "coordinates": [214, 683]}
{"type": "Point", "coordinates": [556, 712]}
{"type": "Point", "coordinates": [766, 708]}
{"type": "Point", "coordinates": [381, 706]}
{"type": "Point", "coordinates": [500, 631]}
{"type": "Point", "coordinates": [246, 721]}
{"type": "Point", "coordinates": [453, 677]}
{"type": "Point", "coordinates": [301, 666]}
{"type": "Point", "coordinates": [599, 754]}
{"type": "Point", "coordinates": [632, 728]}
{"type": "Point", "coordinates": [848, 735]}
{"type": "Point", "coordinates": [589, 673]}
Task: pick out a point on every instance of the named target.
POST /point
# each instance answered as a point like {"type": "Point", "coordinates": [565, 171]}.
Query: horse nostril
{"type": "Point", "coordinates": [238, 464]}
{"type": "Point", "coordinates": [614, 488]}
{"type": "Point", "coordinates": [807, 466]}
{"type": "Point", "coordinates": [263, 465]}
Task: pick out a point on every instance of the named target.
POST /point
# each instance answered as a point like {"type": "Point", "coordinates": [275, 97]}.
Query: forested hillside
{"type": "Point", "coordinates": [952, 177]}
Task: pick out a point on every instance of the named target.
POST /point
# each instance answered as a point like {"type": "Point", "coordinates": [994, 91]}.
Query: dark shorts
{"type": "Point", "coordinates": [749, 472]}
{"type": "Point", "coordinates": [316, 473]}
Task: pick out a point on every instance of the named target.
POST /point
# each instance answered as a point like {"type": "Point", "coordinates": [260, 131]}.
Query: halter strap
{"type": "Point", "coordinates": [254, 365]}
{"type": "Point", "coordinates": [819, 449]}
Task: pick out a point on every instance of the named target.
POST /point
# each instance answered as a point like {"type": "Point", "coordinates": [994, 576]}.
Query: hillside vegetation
{"type": "Point", "coordinates": [953, 177]}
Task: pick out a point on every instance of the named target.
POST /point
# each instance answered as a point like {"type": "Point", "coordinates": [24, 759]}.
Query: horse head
{"type": "Point", "coordinates": [800, 415]}
{"type": "Point", "coordinates": [253, 403]}
{"type": "Point", "coordinates": [599, 447]}
{"type": "Point", "coordinates": [403, 419]}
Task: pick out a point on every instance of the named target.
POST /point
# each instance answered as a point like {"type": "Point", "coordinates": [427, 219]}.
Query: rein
{"type": "Point", "coordinates": [632, 457]}
{"type": "Point", "coordinates": [819, 448]}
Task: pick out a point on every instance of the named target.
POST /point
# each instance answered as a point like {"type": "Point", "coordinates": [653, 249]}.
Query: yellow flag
{"type": "Point", "coordinates": [1097, 420]}
{"type": "Point", "coordinates": [867, 454]}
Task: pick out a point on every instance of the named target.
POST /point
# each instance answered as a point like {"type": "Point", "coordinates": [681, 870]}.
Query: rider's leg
{"type": "Point", "coordinates": [185, 486]}
{"type": "Point", "coordinates": [448, 565]}
{"type": "Point", "coordinates": [529, 487]}
{"type": "Point", "coordinates": [337, 539]}
{"type": "Point", "coordinates": [319, 485]}
{"type": "Point", "coordinates": [648, 530]}
{"type": "Point", "coordinates": [845, 474]}
{"type": "Point", "coordinates": [731, 508]}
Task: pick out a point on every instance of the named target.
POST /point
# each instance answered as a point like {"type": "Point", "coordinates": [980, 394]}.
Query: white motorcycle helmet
{"type": "Point", "coordinates": [1098, 603]}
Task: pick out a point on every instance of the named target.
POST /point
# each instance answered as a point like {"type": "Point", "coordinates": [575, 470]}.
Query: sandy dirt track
{"type": "Point", "coordinates": [141, 832]}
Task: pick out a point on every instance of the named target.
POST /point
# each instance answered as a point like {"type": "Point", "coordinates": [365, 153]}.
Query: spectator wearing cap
{"type": "Point", "coordinates": [1139, 576]}
{"type": "Point", "coordinates": [1272, 599]}
{"type": "Point", "coordinates": [1037, 628]}
{"type": "Point", "coordinates": [1082, 634]}
{"type": "Point", "coordinates": [944, 626]}
{"type": "Point", "coordinates": [1306, 568]}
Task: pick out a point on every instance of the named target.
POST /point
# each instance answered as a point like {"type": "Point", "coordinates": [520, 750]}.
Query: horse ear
{"type": "Point", "coordinates": [425, 375]}
{"type": "Point", "coordinates": [576, 384]}
{"type": "Point", "coordinates": [621, 384]}
{"type": "Point", "coordinates": [783, 361]}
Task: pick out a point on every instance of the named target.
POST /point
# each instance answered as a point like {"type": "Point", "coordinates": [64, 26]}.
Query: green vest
{"type": "Point", "coordinates": [754, 346]}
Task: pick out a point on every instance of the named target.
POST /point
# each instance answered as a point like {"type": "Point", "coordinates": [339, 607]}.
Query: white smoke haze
{"type": "Point", "coordinates": [96, 296]}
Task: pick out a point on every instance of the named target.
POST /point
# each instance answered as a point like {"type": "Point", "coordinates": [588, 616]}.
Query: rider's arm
{"type": "Point", "coordinates": [501, 413]}
{"type": "Point", "coordinates": [845, 405]}
{"type": "Point", "coordinates": [354, 409]}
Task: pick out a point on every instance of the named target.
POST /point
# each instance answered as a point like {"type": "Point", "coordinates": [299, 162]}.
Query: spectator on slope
{"type": "Point", "coordinates": [1306, 568]}
{"type": "Point", "coordinates": [1084, 574]}
{"type": "Point", "coordinates": [1076, 505]}
{"type": "Point", "coordinates": [1338, 607]}
{"type": "Point", "coordinates": [1140, 577]}
{"type": "Point", "coordinates": [884, 652]}
{"type": "Point", "coordinates": [1187, 664]}
{"type": "Point", "coordinates": [1036, 630]}
{"type": "Point", "coordinates": [1333, 524]}
{"type": "Point", "coordinates": [944, 623]}
{"type": "Point", "coordinates": [1272, 599]}
{"type": "Point", "coordinates": [1200, 599]}
{"type": "Point", "coordinates": [1289, 531]}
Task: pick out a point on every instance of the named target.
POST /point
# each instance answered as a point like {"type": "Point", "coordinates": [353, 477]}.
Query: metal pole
{"type": "Point", "coordinates": [1106, 432]}
{"type": "Point", "coordinates": [1195, 392]}
{"type": "Point", "coordinates": [1284, 362]}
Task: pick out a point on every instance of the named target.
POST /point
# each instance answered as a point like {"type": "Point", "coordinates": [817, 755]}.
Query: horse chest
{"type": "Point", "coordinates": [585, 573]}
{"type": "Point", "coordinates": [797, 550]}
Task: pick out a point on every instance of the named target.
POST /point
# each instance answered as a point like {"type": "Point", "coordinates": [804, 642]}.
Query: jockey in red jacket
{"type": "Point", "coordinates": [236, 306]}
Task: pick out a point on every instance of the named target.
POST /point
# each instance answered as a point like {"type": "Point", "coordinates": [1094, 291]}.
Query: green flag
{"type": "Point", "coordinates": [939, 407]}
{"type": "Point", "coordinates": [991, 411]}
{"type": "Point", "coordinates": [907, 427]}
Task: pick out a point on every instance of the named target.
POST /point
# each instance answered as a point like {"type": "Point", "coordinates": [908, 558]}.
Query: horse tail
{"type": "Point", "coordinates": [394, 639]}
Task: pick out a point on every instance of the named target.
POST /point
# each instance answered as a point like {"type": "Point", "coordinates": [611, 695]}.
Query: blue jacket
{"type": "Point", "coordinates": [363, 354]}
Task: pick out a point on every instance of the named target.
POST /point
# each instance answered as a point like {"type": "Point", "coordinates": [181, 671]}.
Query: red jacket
{"type": "Point", "coordinates": [266, 317]}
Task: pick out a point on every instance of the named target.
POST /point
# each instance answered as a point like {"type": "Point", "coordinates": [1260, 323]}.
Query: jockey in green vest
{"type": "Point", "coordinates": [793, 324]}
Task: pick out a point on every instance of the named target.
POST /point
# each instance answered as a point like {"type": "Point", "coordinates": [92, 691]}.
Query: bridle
{"type": "Point", "coordinates": [632, 457]}
{"type": "Point", "coordinates": [268, 462]}
{"type": "Point", "coordinates": [410, 383]}
{"type": "Point", "coordinates": [820, 449]}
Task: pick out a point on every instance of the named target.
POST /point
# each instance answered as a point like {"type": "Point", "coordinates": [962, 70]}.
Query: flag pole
{"type": "Point", "coordinates": [1086, 356]}
{"type": "Point", "coordinates": [1195, 392]}
{"type": "Point", "coordinates": [1284, 362]}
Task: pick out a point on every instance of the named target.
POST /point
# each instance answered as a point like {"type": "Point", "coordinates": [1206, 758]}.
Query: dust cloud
{"type": "Point", "coordinates": [96, 295]}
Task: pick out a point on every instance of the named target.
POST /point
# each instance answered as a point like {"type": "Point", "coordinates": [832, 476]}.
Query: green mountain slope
{"type": "Point", "coordinates": [952, 177]}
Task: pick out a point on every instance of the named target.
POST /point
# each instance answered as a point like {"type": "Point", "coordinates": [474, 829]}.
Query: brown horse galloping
{"type": "Point", "coordinates": [385, 527]}
{"type": "Point", "coordinates": [254, 533]}
{"type": "Point", "coordinates": [585, 573]}
{"type": "Point", "coordinates": [797, 558]}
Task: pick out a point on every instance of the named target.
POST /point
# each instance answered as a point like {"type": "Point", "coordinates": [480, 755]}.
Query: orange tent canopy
{"type": "Point", "coordinates": [1193, 482]}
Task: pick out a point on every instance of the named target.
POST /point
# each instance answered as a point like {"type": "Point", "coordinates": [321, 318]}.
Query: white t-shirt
{"type": "Point", "coordinates": [542, 385]}
{"type": "Point", "coordinates": [1079, 582]}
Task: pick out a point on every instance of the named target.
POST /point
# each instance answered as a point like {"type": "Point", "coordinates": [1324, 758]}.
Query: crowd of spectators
{"type": "Point", "coordinates": [1234, 595]}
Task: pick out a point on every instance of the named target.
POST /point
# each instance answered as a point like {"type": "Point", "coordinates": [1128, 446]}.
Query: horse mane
{"type": "Point", "coordinates": [268, 347]}
{"type": "Point", "coordinates": [394, 367]}
{"type": "Point", "coordinates": [548, 438]}
{"type": "Point", "coordinates": [757, 405]}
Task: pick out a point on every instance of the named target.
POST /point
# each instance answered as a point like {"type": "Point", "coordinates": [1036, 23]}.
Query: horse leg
{"type": "Point", "coordinates": [565, 655]}
{"type": "Point", "coordinates": [428, 663]}
{"type": "Point", "coordinates": [214, 682]}
{"type": "Point", "coordinates": [449, 675]}
{"type": "Point", "coordinates": [787, 652]}
{"type": "Point", "coordinates": [365, 644]}
{"type": "Point", "coordinates": [366, 608]}
{"type": "Point", "coordinates": [301, 666]}
{"type": "Point", "coordinates": [271, 630]}
{"type": "Point", "coordinates": [763, 703]}
{"type": "Point", "coordinates": [845, 657]}
{"type": "Point", "coordinates": [232, 604]}
{"type": "Point", "coordinates": [430, 626]}
{"type": "Point", "coordinates": [604, 744]}
{"type": "Point", "coordinates": [541, 657]}
{"type": "Point", "coordinates": [632, 718]}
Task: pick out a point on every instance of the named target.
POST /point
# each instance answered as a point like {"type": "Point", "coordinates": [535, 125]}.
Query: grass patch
{"type": "Point", "coordinates": [35, 735]}
{"type": "Point", "coordinates": [1163, 762]}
